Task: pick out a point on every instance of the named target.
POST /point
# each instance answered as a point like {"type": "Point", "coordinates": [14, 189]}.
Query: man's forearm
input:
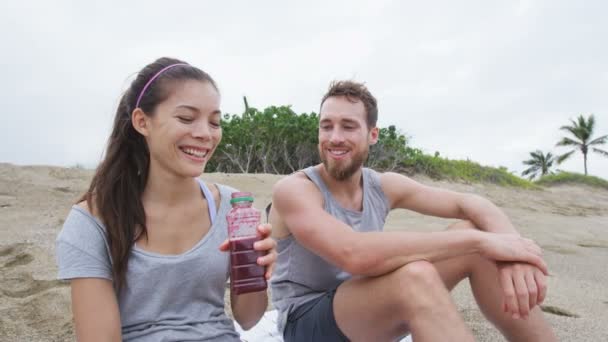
{"type": "Point", "coordinates": [379, 253]}
{"type": "Point", "coordinates": [486, 216]}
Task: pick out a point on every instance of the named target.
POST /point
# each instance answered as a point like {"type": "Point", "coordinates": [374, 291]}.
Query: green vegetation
{"type": "Point", "coordinates": [572, 178]}
{"type": "Point", "coordinates": [277, 140]}
{"type": "Point", "coordinates": [439, 168]}
{"type": "Point", "coordinates": [539, 162]}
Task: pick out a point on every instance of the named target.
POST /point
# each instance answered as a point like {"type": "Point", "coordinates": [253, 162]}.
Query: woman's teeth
{"type": "Point", "coordinates": [196, 153]}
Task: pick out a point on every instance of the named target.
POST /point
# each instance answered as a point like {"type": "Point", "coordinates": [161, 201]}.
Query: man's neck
{"type": "Point", "coordinates": [350, 187]}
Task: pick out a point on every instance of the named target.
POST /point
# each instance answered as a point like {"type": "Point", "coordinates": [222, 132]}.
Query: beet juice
{"type": "Point", "coordinates": [243, 220]}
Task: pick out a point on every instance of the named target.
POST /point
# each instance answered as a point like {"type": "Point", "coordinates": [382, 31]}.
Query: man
{"type": "Point", "coordinates": [339, 277]}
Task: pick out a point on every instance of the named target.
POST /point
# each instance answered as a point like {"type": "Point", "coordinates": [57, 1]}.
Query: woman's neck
{"type": "Point", "coordinates": [168, 189]}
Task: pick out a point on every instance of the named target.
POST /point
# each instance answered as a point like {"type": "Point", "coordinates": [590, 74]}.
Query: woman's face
{"type": "Point", "coordinates": [185, 129]}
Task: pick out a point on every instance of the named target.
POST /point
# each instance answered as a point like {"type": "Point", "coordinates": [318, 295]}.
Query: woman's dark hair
{"type": "Point", "coordinates": [119, 181]}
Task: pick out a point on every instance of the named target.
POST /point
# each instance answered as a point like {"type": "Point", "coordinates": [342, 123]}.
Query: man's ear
{"type": "Point", "coordinates": [139, 120]}
{"type": "Point", "coordinates": [373, 135]}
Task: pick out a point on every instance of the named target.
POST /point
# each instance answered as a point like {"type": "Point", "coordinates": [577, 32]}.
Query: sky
{"type": "Point", "coordinates": [488, 81]}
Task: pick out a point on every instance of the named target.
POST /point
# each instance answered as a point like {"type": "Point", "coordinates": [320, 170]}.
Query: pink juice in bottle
{"type": "Point", "coordinates": [245, 274]}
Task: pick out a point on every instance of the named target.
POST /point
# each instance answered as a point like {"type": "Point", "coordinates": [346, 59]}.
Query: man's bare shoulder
{"type": "Point", "coordinates": [398, 187]}
{"type": "Point", "coordinates": [290, 195]}
{"type": "Point", "coordinates": [296, 184]}
{"type": "Point", "coordinates": [393, 178]}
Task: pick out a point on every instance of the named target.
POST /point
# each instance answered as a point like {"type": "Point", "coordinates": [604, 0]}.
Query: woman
{"type": "Point", "coordinates": [145, 248]}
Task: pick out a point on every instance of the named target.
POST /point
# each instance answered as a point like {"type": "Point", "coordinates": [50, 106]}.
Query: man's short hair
{"type": "Point", "coordinates": [355, 92]}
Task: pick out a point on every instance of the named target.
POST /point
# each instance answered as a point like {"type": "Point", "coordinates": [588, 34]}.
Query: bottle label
{"type": "Point", "coordinates": [242, 225]}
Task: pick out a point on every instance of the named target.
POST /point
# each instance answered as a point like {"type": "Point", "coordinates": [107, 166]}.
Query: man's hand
{"type": "Point", "coordinates": [512, 248]}
{"type": "Point", "coordinates": [524, 286]}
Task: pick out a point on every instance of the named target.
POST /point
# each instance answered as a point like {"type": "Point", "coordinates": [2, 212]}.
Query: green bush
{"type": "Point", "coordinates": [572, 178]}
{"type": "Point", "coordinates": [440, 168]}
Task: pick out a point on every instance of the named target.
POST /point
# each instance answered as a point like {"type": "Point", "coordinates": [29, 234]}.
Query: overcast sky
{"type": "Point", "coordinates": [485, 80]}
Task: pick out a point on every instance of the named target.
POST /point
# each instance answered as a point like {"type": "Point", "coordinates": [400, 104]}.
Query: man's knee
{"type": "Point", "coordinates": [418, 276]}
{"type": "Point", "coordinates": [418, 272]}
{"type": "Point", "coordinates": [419, 286]}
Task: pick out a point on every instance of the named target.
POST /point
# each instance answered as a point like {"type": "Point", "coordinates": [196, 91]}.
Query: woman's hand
{"type": "Point", "coordinates": [267, 245]}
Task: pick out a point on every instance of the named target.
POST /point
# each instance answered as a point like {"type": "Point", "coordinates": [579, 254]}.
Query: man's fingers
{"type": "Point", "coordinates": [521, 291]}
{"type": "Point", "coordinates": [538, 262]}
{"type": "Point", "coordinates": [541, 284]}
{"type": "Point", "coordinates": [533, 247]}
{"type": "Point", "coordinates": [508, 290]}
{"type": "Point", "coordinates": [532, 288]}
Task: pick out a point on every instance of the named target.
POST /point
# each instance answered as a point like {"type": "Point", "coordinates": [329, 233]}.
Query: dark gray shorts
{"type": "Point", "coordinates": [314, 321]}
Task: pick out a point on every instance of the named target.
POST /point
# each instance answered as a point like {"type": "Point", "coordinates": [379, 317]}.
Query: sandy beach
{"type": "Point", "coordinates": [569, 222]}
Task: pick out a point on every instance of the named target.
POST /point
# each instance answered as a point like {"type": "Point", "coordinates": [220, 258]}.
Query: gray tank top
{"type": "Point", "coordinates": [299, 274]}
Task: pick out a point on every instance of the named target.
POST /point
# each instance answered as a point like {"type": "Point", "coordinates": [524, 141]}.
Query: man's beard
{"type": "Point", "coordinates": [343, 172]}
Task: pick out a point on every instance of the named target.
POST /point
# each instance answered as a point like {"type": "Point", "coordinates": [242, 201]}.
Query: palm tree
{"type": "Point", "coordinates": [582, 130]}
{"type": "Point", "coordinates": [539, 162]}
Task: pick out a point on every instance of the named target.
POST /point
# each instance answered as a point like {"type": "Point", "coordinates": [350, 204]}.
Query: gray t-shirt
{"type": "Point", "coordinates": [168, 297]}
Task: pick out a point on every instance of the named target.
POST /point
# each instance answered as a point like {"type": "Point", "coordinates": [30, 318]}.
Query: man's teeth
{"type": "Point", "coordinates": [196, 153]}
{"type": "Point", "coordinates": [336, 152]}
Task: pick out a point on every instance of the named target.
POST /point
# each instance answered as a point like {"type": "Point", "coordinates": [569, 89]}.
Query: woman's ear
{"type": "Point", "coordinates": [139, 120]}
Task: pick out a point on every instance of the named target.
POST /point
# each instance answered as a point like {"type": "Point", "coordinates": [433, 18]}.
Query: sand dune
{"type": "Point", "coordinates": [570, 222]}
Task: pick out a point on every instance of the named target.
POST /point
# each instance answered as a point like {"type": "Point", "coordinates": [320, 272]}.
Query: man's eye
{"type": "Point", "coordinates": [216, 124]}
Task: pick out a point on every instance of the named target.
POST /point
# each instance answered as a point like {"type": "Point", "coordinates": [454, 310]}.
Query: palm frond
{"type": "Point", "coordinates": [563, 157]}
{"type": "Point", "coordinates": [538, 154]}
{"type": "Point", "coordinates": [599, 141]}
{"type": "Point", "coordinates": [602, 152]}
{"type": "Point", "coordinates": [574, 129]}
{"type": "Point", "coordinates": [531, 171]}
{"type": "Point", "coordinates": [568, 142]}
{"type": "Point", "coordinates": [590, 123]}
{"type": "Point", "coordinates": [581, 128]}
{"type": "Point", "coordinates": [538, 163]}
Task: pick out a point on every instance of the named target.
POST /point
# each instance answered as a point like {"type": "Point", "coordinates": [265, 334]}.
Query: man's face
{"type": "Point", "coordinates": [344, 137]}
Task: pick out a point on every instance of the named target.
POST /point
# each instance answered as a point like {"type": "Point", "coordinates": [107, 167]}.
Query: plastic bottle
{"type": "Point", "coordinates": [243, 219]}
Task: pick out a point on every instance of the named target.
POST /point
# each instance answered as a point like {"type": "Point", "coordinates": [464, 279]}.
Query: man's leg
{"type": "Point", "coordinates": [484, 280]}
{"type": "Point", "coordinates": [412, 298]}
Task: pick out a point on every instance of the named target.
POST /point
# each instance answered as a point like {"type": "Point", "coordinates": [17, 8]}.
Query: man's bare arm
{"type": "Point", "coordinates": [299, 205]}
{"type": "Point", "coordinates": [406, 193]}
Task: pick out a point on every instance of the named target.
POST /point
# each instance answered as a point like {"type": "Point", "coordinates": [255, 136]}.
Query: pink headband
{"type": "Point", "coordinates": [143, 90]}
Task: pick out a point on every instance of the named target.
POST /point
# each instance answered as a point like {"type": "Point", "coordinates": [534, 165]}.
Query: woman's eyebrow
{"type": "Point", "coordinates": [189, 107]}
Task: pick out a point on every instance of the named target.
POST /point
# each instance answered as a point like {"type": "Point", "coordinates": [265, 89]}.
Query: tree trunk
{"type": "Point", "coordinates": [234, 161]}
{"type": "Point", "coordinates": [585, 159]}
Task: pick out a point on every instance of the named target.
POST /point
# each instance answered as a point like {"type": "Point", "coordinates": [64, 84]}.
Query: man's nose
{"type": "Point", "coordinates": [336, 136]}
